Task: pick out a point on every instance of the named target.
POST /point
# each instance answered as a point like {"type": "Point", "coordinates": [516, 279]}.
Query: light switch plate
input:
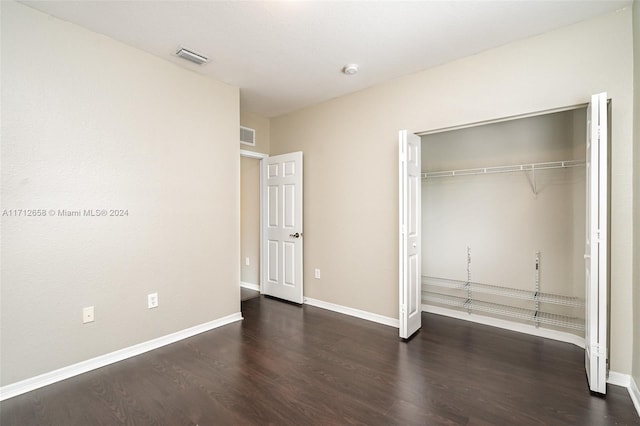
{"type": "Point", "coordinates": [152, 300]}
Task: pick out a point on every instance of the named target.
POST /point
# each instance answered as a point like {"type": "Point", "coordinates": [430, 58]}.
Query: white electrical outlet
{"type": "Point", "coordinates": [87, 315]}
{"type": "Point", "coordinates": [152, 300]}
{"type": "Point", "coordinates": [317, 273]}
{"type": "Point", "coordinates": [246, 261]}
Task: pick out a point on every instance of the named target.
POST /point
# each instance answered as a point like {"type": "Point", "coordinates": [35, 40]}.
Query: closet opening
{"type": "Point", "coordinates": [503, 223]}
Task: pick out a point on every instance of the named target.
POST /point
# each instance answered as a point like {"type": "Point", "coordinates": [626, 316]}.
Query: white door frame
{"type": "Point", "coordinates": [253, 154]}
{"type": "Point", "coordinates": [258, 156]}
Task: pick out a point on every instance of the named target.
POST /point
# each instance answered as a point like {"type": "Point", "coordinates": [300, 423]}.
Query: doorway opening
{"type": "Point", "coordinates": [250, 273]}
{"type": "Point", "coordinates": [271, 225]}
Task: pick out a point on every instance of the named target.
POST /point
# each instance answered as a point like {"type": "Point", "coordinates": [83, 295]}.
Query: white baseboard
{"type": "Point", "coordinates": [380, 319]}
{"type": "Point", "coordinates": [250, 286]}
{"type": "Point", "coordinates": [626, 381]}
{"type": "Point", "coordinates": [619, 379]}
{"type": "Point", "coordinates": [635, 394]}
{"type": "Point", "coordinates": [507, 325]}
{"type": "Point", "coordinates": [23, 386]}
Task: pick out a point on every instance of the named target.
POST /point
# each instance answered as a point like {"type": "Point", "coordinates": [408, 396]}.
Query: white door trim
{"type": "Point", "coordinates": [253, 154]}
{"type": "Point", "coordinates": [502, 119]}
{"type": "Point", "coordinates": [259, 156]}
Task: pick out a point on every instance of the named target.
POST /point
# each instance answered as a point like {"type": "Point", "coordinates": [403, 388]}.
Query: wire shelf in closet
{"type": "Point", "coordinates": [504, 310]}
{"type": "Point", "coordinates": [556, 299]}
{"type": "Point", "coordinates": [532, 167]}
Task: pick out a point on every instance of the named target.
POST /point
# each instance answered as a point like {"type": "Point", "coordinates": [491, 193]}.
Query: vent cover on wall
{"type": "Point", "coordinates": [247, 136]}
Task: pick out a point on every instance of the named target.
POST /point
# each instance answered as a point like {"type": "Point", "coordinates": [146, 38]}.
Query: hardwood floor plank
{"type": "Point", "coordinates": [290, 365]}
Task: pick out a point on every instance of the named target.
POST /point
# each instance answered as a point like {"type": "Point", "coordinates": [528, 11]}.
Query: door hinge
{"type": "Point", "coordinates": [403, 308]}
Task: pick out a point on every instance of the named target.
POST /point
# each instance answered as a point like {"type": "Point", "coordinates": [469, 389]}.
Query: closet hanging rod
{"type": "Point", "coordinates": [505, 169]}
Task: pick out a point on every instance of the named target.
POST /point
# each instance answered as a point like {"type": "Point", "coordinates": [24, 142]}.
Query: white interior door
{"type": "Point", "coordinates": [596, 256]}
{"type": "Point", "coordinates": [282, 243]}
{"type": "Point", "coordinates": [410, 235]}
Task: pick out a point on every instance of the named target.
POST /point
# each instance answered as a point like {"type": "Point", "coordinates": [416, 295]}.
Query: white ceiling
{"type": "Point", "coordinates": [286, 55]}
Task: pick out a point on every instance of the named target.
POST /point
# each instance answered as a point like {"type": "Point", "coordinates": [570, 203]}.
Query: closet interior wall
{"type": "Point", "coordinates": [500, 216]}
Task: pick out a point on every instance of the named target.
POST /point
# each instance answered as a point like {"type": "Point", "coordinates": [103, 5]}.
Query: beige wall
{"type": "Point", "coordinates": [250, 220]}
{"type": "Point", "coordinates": [262, 127]}
{"type": "Point", "coordinates": [636, 200]}
{"type": "Point", "coordinates": [90, 123]}
{"type": "Point", "coordinates": [499, 216]}
{"type": "Point", "coordinates": [350, 148]}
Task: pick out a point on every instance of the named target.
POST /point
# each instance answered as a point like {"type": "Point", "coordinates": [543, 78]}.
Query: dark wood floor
{"type": "Point", "coordinates": [287, 365]}
{"type": "Point", "coordinates": [246, 294]}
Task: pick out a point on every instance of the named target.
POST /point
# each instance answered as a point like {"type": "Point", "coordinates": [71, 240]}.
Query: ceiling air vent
{"type": "Point", "coordinates": [191, 56]}
{"type": "Point", "coordinates": [247, 136]}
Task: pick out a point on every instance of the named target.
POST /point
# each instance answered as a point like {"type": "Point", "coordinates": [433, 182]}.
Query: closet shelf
{"type": "Point", "coordinates": [504, 310]}
{"type": "Point", "coordinates": [505, 169]}
{"type": "Point", "coordinates": [555, 299]}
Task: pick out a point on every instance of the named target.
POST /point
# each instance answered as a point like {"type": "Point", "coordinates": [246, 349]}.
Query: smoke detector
{"type": "Point", "coordinates": [192, 56]}
{"type": "Point", "coordinates": [350, 69]}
